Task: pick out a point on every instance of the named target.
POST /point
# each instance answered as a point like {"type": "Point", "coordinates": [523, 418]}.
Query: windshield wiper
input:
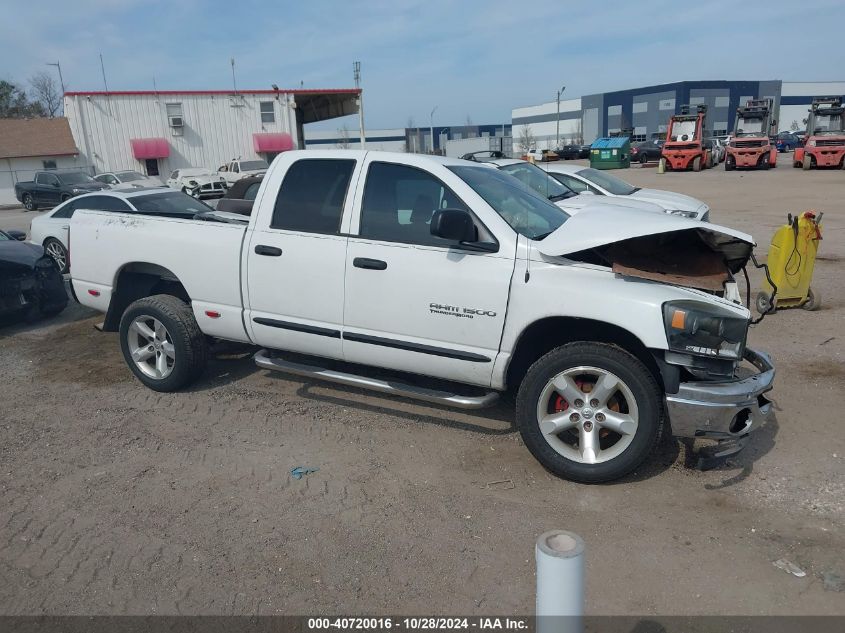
{"type": "Point", "coordinates": [561, 196]}
{"type": "Point", "coordinates": [542, 236]}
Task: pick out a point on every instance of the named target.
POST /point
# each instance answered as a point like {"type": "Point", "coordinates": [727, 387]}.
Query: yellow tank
{"type": "Point", "coordinates": [791, 260]}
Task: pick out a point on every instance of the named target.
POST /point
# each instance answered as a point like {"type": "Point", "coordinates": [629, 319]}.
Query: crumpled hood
{"type": "Point", "coordinates": [589, 230]}
{"type": "Point", "coordinates": [202, 179]}
{"type": "Point", "coordinates": [588, 202]}
{"type": "Point", "coordinates": [14, 253]}
{"type": "Point", "coordinates": [668, 199]}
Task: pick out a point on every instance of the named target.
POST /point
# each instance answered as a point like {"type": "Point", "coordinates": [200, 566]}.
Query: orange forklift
{"type": "Point", "coordinates": [751, 146]}
{"type": "Point", "coordinates": [683, 148]}
{"type": "Point", "coordinates": [824, 145]}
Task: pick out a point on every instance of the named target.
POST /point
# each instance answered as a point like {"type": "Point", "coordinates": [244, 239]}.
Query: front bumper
{"type": "Point", "coordinates": [723, 409]}
{"type": "Point", "coordinates": [748, 157]}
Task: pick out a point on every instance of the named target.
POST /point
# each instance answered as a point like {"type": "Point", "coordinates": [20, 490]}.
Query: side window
{"type": "Point", "coordinates": [102, 203]}
{"type": "Point", "coordinates": [236, 168]}
{"type": "Point", "coordinates": [251, 191]}
{"type": "Point", "coordinates": [312, 194]}
{"type": "Point", "coordinates": [67, 210]}
{"type": "Point", "coordinates": [40, 179]}
{"type": "Point", "coordinates": [573, 183]}
{"type": "Point", "coordinates": [268, 114]}
{"type": "Point", "coordinates": [399, 202]}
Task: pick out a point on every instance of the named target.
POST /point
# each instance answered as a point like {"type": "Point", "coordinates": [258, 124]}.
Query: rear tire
{"type": "Point", "coordinates": [65, 197]}
{"type": "Point", "coordinates": [55, 249]}
{"type": "Point", "coordinates": [631, 401]}
{"type": "Point", "coordinates": [664, 165]}
{"type": "Point", "coordinates": [730, 165]}
{"type": "Point", "coordinates": [763, 302]}
{"type": "Point", "coordinates": [696, 163]}
{"type": "Point", "coordinates": [807, 163]}
{"type": "Point", "coordinates": [643, 159]}
{"type": "Point", "coordinates": [168, 357]}
{"type": "Point", "coordinates": [29, 203]}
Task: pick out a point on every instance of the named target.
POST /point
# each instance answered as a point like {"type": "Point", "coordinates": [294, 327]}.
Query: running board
{"type": "Point", "coordinates": [395, 388]}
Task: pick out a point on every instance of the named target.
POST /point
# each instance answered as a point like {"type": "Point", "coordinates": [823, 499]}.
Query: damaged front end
{"type": "Point", "coordinates": [714, 385]}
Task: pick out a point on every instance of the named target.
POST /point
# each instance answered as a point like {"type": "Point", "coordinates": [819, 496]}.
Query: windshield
{"type": "Point", "coordinates": [539, 180]}
{"type": "Point", "coordinates": [683, 131]}
{"type": "Point", "coordinates": [526, 212]}
{"type": "Point", "coordinates": [171, 203]}
{"type": "Point", "coordinates": [749, 127]}
{"type": "Point", "coordinates": [4, 237]}
{"type": "Point", "coordinates": [129, 176]}
{"type": "Point", "coordinates": [250, 165]}
{"type": "Point", "coordinates": [609, 183]}
{"type": "Point", "coordinates": [75, 178]}
{"type": "Point", "coordinates": [827, 124]}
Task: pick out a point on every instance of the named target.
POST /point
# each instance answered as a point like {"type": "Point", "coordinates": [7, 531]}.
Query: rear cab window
{"type": "Point", "coordinates": [312, 196]}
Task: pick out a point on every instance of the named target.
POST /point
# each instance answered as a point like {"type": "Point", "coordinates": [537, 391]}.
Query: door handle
{"type": "Point", "coordinates": [370, 264]}
{"type": "Point", "coordinates": [270, 251]}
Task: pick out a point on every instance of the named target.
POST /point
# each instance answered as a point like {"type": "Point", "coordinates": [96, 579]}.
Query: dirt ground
{"type": "Point", "coordinates": [115, 499]}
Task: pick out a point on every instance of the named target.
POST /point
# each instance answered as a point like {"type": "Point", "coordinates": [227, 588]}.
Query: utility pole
{"type": "Point", "coordinates": [356, 72]}
{"type": "Point", "coordinates": [431, 127]}
{"type": "Point", "coordinates": [61, 82]}
{"type": "Point", "coordinates": [234, 83]}
{"type": "Point", "coordinates": [557, 133]}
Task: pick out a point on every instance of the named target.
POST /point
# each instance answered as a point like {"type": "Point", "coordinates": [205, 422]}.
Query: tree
{"type": "Point", "coordinates": [794, 125]}
{"type": "Point", "coordinates": [343, 138]}
{"type": "Point", "coordinates": [14, 103]}
{"type": "Point", "coordinates": [45, 92]}
{"type": "Point", "coordinates": [526, 139]}
{"type": "Point", "coordinates": [579, 131]}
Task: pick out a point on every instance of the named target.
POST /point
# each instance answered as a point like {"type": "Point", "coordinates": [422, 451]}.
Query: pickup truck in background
{"type": "Point", "coordinates": [50, 188]}
{"type": "Point", "coordinates": [461, 281]}
{"type": "Point", "coordinates": [236, 169]}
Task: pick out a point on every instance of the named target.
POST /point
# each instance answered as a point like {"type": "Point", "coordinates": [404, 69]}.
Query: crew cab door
{"type": "Point", "coordinates": [415, 302]}
{"type": "Point", "coordinates": [47, 188]}
{"type": "Point", "coordinates": [297, 255]}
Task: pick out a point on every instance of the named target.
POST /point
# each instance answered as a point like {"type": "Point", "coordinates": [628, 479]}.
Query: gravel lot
{"type": "Point", "coordinates": [115, 499]}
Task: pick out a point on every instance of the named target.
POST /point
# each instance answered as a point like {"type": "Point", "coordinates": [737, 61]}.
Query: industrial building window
{"type": "Point", "coordinates": [640, 106]}
{"type": "Point", "coordinates": [667, 104]}
{"type": "Point", "coordinates": [268, 114]}
{"type": "Point", "coordinates": [638, 137]}
{"type": "Point", "coordinates": [49, 164]}
{"type": "Point", "coordinates": [723, 102]}
{"type": "Point", "coordinates": [312, 194]}
{"type": "Point", "coordinates": [614, 110]}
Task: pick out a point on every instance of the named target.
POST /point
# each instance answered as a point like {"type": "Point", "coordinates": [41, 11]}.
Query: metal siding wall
{"type": "Point", "coordinates": [214, 131]}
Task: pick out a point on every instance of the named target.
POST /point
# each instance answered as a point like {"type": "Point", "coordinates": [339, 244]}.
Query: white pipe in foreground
{"type": "Point", "coordinates": [560, 582]}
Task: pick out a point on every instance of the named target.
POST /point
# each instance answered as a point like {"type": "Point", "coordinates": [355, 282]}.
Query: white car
{"type": "Point", "coordinates": [200, 183]}
{"type": "Point", "coordinates": [541, 180]}
{"type": "Point", "coordinates": [236, 169]}
{"type": "Point", "coordinates": [601, 183]}
{"type": "Point", "coordinates": [127, 180]}
{"type": "Point", "coordinates": [51, 229]}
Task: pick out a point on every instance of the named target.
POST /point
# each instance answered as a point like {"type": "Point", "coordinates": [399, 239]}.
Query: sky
{"type": "Point", "coordinates": [473, 59]}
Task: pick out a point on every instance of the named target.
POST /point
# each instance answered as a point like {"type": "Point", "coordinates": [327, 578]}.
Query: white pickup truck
{"type": "Point", "coordinates": [463, 282]}
{"type": "Point", "coordinates": [236, 169]}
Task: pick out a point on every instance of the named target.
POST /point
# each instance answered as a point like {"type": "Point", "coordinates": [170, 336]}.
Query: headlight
{"type": "Point", "coordinates": [684, 214]}
{"type": "Point", "coordinates": [704, 330]}
{"type": "Point", "coordinates": [76, 190]}
{"type": "Point", "coordinates": [193, 183]}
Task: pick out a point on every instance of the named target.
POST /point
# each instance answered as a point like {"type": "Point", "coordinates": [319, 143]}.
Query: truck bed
{"type": "Point", "coordinates": [203, 256]}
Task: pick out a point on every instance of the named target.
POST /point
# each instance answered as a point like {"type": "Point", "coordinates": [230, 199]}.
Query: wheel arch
{"type": "Point", "coordinates": [137, 280]}
{"type": "Point", "coordinates": [547, 333]}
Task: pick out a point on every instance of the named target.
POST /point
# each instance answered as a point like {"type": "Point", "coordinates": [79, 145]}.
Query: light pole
{"type": "Point", "coordinates": [557, 133]}
{"type": "Point", "coordinates": [431, 127]}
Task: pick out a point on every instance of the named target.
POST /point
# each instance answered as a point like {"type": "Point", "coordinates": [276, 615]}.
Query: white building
{"type": "Point", "coordinates": [30, 145]}
{"type": "Point", "coordinates": [155, 132]}
{"type": "Point", "coordinates": [390, 140]}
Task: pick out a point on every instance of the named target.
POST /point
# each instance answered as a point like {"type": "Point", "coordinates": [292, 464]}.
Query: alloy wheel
{"type": "Point", "coordinates": [151, 347]}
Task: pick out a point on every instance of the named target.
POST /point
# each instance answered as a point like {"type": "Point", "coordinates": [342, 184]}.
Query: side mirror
{"type": "Point", "coordinates": [455, 225]}
{"type": "Point", "coordinates": [20, 236]}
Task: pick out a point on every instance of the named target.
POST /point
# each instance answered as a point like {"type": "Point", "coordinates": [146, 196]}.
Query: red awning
{"type": "Point", "coordinates": [143, 148]}
{"type": "Point", "coordinates": [272, 142]}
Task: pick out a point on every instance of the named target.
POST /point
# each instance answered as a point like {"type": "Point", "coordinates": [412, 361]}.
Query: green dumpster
{"type": "Point", "coordinates": [611, 153]}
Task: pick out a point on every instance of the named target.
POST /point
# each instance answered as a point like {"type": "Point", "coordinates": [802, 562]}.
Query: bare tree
{"type": "Point", "coordinates": [794, 126]}
{"type": "Point", "coordinates": [526, 139]}
{"type": "Point", "coordinates": [14, 103]}
{"type": "Point", "coordinates": [44, 90]}
{"type": "Point", "coordinates": [343, 138]}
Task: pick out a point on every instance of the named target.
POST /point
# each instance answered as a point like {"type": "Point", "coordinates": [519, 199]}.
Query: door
{"type": "Point", "coordinates": [416, 302]}
{"type": "Point", "coordinates": [296, 259]}
{"type": "Point", "coordinates": [47, 189]}
{"type": "Point", "coordinates": [151, 166]}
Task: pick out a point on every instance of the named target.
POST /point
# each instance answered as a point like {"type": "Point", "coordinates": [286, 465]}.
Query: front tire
{"type": "Point", "coordinates": [162, 343]}
{"type": "Point", "coordinates": [814, 300]}
{"type": "Point", "coordinates": [696, 163]}
{"type": "Point", "coordinates": [29, 203]}
{"type": "Point", "coordinates": [807, 163]}
{"type": "Point", "coordinates": [55, 249]}
{"type": "Point", "coordinates": [589, 412]}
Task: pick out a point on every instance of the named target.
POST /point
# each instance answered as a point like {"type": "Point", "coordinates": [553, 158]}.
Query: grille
{"type": "Point", "coordinates": [748, 143]}
{"type": "Point", "coordinates": [831, 143]}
